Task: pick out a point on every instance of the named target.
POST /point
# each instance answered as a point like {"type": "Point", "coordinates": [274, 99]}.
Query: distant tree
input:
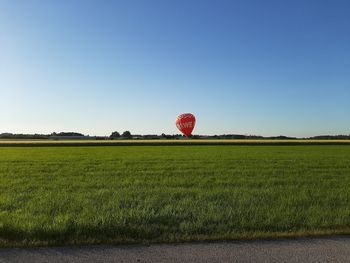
{"type": "Point", "coordinates": [127, 135]}
{"type": "Point", "coordinates": [69, 134]}
{"type": "Point", "coordinates": [114, 134]}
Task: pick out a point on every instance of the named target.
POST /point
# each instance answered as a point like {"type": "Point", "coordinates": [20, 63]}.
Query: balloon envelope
{"type": "Point", "coordinates": [185, 123]}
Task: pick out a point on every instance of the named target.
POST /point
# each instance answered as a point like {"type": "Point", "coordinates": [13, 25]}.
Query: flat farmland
{"type": "Point", "coordinates": [144, 194]}
{"type": "Point", "coordinates": [160, 142]}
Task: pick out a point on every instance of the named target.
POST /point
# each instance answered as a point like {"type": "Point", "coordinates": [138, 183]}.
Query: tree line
{"type": "Point", "coordinates": [128, 135]}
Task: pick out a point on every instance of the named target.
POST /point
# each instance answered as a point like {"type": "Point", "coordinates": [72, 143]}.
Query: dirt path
{"type": "Point", "coordinates": [302, 250]}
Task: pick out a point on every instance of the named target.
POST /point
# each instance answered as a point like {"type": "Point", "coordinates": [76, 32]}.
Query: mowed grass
{"type": "Point", "coordinates": [92, 195]}
{"type": "Point", "coordinates": [164, 142]}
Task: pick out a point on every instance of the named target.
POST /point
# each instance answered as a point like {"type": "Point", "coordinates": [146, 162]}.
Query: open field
{"type": "Point", "coordinates": [91, 195]}
{"type": "Point", "coordinates": [43, 143]}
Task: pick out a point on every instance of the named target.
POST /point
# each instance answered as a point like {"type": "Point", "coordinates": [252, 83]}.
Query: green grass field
{"type": "Point", "coordinates": [92, 195]}
{"type": "Point", "coordinates": [184, 142]}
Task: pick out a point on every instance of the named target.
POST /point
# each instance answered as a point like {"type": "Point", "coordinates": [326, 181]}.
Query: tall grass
{"type": "Point", "coordinates": [80, 195]}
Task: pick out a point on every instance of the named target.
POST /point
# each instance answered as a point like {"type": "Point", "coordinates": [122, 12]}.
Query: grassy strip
{"type": "Point", "coordinates": [186, 142]}
{"type": "Point", "coordinates": [254, 236]}
{"type": "Point", "coordinates": [104, 195]}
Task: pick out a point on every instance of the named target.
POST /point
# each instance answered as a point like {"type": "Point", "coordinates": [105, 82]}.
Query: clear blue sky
{"type": "Point", "coordinates": [244, 67]}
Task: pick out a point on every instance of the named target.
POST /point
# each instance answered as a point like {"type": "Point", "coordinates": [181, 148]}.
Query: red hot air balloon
{"type": "Point", "coordinates": [185, 123]}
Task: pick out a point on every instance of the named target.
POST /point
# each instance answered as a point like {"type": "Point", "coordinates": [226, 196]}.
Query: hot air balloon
{"type": "Point", "coordinates": [185, 123]}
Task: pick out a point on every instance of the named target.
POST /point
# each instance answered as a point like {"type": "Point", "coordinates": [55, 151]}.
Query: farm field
{"type": "Point", "coordinates": [162, 142]}
{"type": "Point", "coordinates": [143, 194]}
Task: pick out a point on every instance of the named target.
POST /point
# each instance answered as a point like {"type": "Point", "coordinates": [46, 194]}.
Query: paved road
{"type": "Point", "coordinates": [302, 250]}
